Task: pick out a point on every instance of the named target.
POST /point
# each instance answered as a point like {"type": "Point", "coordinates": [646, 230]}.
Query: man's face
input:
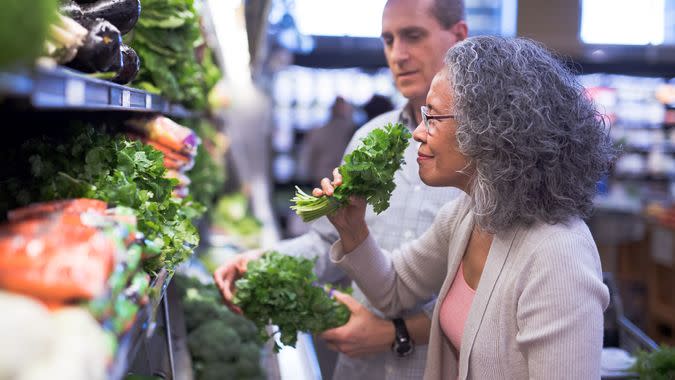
{"type": "Point", "coordinates": [414, 45]}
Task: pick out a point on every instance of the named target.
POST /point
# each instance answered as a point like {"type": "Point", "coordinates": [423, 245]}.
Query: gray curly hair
{"type": "Point", "coordinates": [536, 143]}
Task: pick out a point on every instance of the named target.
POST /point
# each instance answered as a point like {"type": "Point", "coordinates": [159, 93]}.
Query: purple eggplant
{"type": "Point", "coordinates": [101, 48]}
{"type": "Point", "coordinates": [71, 9]}
{"type": "Point", "coordinates": [122, 13]}
{"type": "Point", "coordinates": [129, 68]}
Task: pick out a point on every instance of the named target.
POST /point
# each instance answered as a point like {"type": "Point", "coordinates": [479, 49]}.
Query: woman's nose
{"type": "Point", "coordinates": [420, 133]}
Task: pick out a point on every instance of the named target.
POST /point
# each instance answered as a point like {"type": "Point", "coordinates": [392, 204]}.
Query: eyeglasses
{"type": "Point", "coordinates": [426, 117]}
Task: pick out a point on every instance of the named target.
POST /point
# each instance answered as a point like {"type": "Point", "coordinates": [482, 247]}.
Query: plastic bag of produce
{"type": "Point", "coordinates": [69, 206]}
{"type": "Point", "coordinates": [56, 257]}
{"type": "Point", "coordinates": [168, 133]}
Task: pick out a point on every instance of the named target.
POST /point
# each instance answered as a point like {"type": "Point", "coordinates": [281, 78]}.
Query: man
{"type": "Point", "coordinates": [416, 35]}
{"type": "Point", "coordinates": [323, 147]}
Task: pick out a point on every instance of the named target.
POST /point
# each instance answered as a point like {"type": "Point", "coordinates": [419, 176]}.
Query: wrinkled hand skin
{"type": "Point", "coordinates": [363, 335]}
{"type": "Point", "coordinates": [229, 272]}
{"type": "Point", "coordinates": [350, 220]}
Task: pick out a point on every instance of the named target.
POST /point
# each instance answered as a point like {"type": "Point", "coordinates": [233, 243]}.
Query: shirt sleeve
{"type": "Point", "coordinates": [410, 275]}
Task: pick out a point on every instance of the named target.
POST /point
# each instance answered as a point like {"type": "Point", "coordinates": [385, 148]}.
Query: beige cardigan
{"type": "Point", "coordinates": [538, 309]}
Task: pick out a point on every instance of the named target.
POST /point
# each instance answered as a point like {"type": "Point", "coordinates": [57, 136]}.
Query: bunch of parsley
{"type": "Point", "coordinates": [368, 172]}
{"type": "Point", "coordinates": [94, 164]}
{"type": "Point", "coordinates": [281, 290]}
{"type": "Point", "coordinates": [656, 365]}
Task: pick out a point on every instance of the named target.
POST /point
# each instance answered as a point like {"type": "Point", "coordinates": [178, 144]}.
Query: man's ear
{"type": "Point", "coordinates": [460, 30]}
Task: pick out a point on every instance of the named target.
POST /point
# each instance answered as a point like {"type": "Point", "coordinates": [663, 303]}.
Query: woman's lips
{"type": "Point", "coordinates": [423, 157]}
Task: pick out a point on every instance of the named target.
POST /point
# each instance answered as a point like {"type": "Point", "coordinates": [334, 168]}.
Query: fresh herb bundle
{"type": "Point", "coordinates": [165, 39]}
{"type": "Point", "coordinates": [281, 290]}
{"type": "Point", "coordinates": [656, 365]}
{"type": "Point", "coordinates": [93, 164]}
{"type": "Point", "coordinates": [368, 172]}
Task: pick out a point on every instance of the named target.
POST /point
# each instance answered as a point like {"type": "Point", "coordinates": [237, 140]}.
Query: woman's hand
{"type": "Point", "coordinates": [350, 220]}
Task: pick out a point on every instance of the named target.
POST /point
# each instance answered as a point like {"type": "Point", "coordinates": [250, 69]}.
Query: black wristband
{"type": "Point", "coordinates": [403, 345]}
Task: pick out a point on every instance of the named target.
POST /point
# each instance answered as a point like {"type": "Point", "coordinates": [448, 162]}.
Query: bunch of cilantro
{"type": "Point", "coordinates": [368, 172]}
{"type": "Point", "coordinates": [656, 365]}
{"type": "Point", "coordinates": [281, 290]}
{"type": "Point", "coordinates": [165, 39]}
{"type": "Point", "coordinates": [93, 164]}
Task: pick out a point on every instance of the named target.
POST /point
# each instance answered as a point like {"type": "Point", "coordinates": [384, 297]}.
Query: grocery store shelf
{"type": "Point", "coordinates": [645, 177]}
{"type": "Point", "coordinates": [142, 329]}
{"type": "Point", "coordinates": [59, 88]}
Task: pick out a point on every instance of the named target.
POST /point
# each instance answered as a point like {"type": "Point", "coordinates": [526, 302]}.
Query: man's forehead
{"type": "Point", "coordinates": [404, 14]}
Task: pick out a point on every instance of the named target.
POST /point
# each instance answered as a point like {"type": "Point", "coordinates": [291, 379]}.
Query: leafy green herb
{"type": "Point", "coordinates": [23, 30]}
{"type": "Point", "coordinates": [368, 172]}
{"type": "Point", "coordinates": [93, 164]}
{"type": "Point", "coordinates": [165, 39]}
{"type": "Point", "coordinates": [208, 173]}
{"type": "Point", "coordinates": [656, 365]}
{"type": "Point", "coordinates": [280, 290]}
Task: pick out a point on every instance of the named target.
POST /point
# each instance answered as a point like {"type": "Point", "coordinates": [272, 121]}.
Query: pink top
{"type": "Point", "coordinates": [455, 308]}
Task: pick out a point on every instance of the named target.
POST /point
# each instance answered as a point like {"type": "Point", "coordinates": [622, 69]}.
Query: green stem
{"type": "Point", "coordinates": [309, 207]}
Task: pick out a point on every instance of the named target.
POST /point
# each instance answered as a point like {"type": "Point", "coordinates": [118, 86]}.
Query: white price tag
{"type": "Point", "coordinates": [75, 90]}
{"type": "Point", "coordinates": [126, 98]}
{"type": "Point", "coordinates": [148, 101]}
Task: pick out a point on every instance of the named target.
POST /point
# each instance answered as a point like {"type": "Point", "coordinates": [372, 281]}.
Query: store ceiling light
{"type": "Point", "coordinates": [623, 22]}
{"type": "Point", "coordinates": [353, 18]}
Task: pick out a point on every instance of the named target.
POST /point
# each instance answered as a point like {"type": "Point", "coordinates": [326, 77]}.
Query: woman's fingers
{"type": "Point", "coordinates": [327, 187]}
{"type": "Point", "coordinates": [337, 177]}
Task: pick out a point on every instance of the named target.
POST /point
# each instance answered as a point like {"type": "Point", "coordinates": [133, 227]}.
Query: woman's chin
{"type": "Point", "coordinates": [430, 180]}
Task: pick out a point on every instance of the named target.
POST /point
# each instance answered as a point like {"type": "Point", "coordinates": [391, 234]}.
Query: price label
{"type": "Point", "coordinates": [75, 90]}
{"type": "Point", "coordinates": [148, 101]}
{"type": "Point", "coordinates": [126, 98]}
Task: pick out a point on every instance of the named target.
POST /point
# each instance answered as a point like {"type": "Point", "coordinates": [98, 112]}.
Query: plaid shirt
{"type": "Point", "coordinates": [413, 206]}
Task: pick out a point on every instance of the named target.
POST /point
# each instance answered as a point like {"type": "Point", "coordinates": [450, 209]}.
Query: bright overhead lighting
{"type": "Point", "coordinates": [355, 18]}
{"type": "Point", "coordinates": [623, 22]}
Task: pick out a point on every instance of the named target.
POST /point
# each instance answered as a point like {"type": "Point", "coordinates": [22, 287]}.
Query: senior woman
{"type": "Point", "coordinates": [515, 268]}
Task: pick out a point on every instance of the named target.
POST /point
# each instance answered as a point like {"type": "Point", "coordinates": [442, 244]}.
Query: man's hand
{"type": "Point", "coordinates": [229, 272]}
{"type": "Point", "coordinates": [363, 334]}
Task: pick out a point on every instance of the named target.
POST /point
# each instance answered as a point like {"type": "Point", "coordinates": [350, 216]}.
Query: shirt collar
{"type": "Point", "coordinates": [407, 117]}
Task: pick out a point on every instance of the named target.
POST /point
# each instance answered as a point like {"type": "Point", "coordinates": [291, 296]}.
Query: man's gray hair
{"type": "Point", "coordinates": [535, 141]}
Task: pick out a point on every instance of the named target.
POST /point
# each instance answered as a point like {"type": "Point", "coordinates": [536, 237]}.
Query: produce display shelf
{"type": "Point", "coordinates": [143, 327]}
{"type": "Point", "coordinates": [63, 89]}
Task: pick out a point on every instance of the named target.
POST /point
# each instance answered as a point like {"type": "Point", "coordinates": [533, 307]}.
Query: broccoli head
{"type": "Point", "coordinates": [214, 341]}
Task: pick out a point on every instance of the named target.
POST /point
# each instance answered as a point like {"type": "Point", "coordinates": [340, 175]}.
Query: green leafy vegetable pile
{"type": "Point", "coordinates": [223, 345]}
{"type": "Point", "coordinates": [656, 365]}
{"type": "Point", "coordinates": [368, 172]}
{"type": "Point", "coordinates": [165, 39]}
{"type": "Point", "coordinates": [24, 27]}
{"type": "Point", "coordinates": [208, 173]}
{"type": "Point", "coordinates": [232, 215]}
{"type": "Point", "coordinates": [281, 290]}
{"type": "Point", "coordinates": [93, 164]}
